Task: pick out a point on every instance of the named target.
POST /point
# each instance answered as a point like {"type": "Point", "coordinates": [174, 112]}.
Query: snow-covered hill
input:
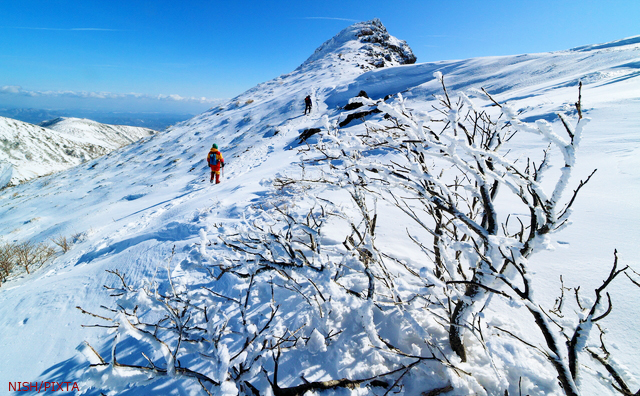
{"type": "Point", "coordinates": [30, 151]}
{"type": "Point", "coordinates": [149, 206]}
{"type": "Point", "coordinates": [108, 136]}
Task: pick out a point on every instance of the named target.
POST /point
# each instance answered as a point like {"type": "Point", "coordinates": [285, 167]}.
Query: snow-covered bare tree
{"type": "Point", "coordinates": [7, 261]}
{"type": "Point", "coordinates": [447, 173]}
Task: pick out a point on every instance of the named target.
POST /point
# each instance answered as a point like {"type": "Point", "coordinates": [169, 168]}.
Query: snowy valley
{"type": "Point", "coordinates": [316, 266]}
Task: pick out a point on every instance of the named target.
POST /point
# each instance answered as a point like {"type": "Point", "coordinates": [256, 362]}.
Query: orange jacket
{"type": "Point", "coordinates": [218, 156]}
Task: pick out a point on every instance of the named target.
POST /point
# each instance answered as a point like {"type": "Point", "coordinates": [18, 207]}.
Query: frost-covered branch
{"type": "Point", "coordinates": [448, 180]}
{"type": "Point", "coordinates": [581, 333]}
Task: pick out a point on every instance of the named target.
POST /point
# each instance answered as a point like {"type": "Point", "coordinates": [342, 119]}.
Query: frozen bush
{"type": "Point", "coordinates": [62, 242]}
{"type": "Point", "coordinates": [29, 254]}
{"type": "Point", "coordinates": [7, 261]}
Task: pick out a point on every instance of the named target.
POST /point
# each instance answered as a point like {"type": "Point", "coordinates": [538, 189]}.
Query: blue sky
{"type": "Point", "coordinates": [171, 54]}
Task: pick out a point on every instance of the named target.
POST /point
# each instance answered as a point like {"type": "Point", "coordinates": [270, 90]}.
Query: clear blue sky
{"type": "Point", "coordinates": [218, 49]}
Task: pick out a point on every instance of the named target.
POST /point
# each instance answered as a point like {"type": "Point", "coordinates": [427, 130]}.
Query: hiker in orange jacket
{"type": "Point", "coordinates": [215, 161]}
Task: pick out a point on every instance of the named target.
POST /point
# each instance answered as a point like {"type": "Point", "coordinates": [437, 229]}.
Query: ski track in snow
{"type": "Point", "coordinates": [133, 206]}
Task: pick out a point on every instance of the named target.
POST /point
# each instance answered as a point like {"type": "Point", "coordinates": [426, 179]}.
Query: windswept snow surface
{"type": "Point", "coordinates": [28, 151]}
{"type": "Point", "coordinates": [129, 209]}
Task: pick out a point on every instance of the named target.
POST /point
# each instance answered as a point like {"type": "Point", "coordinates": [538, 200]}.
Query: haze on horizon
{"type": "Point", "coordinates": [165, 56]}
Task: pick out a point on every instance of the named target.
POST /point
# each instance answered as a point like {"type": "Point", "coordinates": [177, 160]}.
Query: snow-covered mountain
{"type": "Point", "coordinates": [108, 136]}
{"type": "Point", "coordinates": [365, 45]}
{"type": "Point", "coordinates": [149, 207]}
{"type": "Point", "coordinates": [29, 151]}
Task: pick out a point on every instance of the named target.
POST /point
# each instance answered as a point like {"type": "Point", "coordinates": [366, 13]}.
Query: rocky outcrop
{"type": "Point", "coordinates": [365, 45]}
{"type": "Point", "coordinates": [385, 50]}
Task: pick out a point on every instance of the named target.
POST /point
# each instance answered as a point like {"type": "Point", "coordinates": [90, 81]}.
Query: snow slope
{"type": "Point", "coordinates": [29, 151]}
{"type": "Point", "coordinates": [132, 207]}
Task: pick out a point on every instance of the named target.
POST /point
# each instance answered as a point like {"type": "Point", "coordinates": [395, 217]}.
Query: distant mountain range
{"type": "Point", "coordinates": [155, 121]}
{"type": "Point", "coordinates": [28, 151]}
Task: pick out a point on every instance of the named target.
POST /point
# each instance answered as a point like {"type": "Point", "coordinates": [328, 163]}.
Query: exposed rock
{"type": "Point", "coordinates": [357, 116]}
{"type": "Point", "coordinates": [307, 133]}
{"type": "Point", "coordinates": [353, 105]}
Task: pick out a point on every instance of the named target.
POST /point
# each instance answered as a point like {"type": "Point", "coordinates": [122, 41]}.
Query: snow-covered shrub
{"type": "Point", "coordinates": [25, 255]}
{"type": "Point", "coordinates": [453, 174]}
{"type": "Point", "coordinates": [303, 295]}
{"type": "Point", "coordinates": [62, 242]}
{"type": "Point", "coordinates": [29, 254]}
{"type": "Point", "coordinates": [80, 236]}
{"type": "Point", "coordinates": [251, 312]}
{"type": "Point", "coordinates": [7, 260]}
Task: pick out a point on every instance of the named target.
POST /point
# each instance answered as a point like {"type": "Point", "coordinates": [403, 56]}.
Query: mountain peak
{"type": "Point", "coordinates": [366, 45]}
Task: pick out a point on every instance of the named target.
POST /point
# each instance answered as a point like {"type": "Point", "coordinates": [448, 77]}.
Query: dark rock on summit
{"type": "Point", "coordinates": [365, 45]}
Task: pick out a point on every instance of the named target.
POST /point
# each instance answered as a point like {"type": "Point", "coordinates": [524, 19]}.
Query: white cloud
{"type": "Point", "coordinates": [333, 19]}
{"type": "Point", "coordinates": [12, 89]}
{"type": "Point", "coordinates": [17, 90]}
{"type": "Point", "coordinates": [96, 30]}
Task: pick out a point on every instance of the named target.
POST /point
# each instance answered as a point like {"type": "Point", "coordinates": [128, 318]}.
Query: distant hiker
{"type": "Point", "coordinates": [307, 104]}
{"type": "Point", "coordinates": [215, 161]}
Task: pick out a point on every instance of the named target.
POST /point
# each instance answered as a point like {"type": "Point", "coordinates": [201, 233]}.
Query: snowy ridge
{"type": "Point", "coordinates": [508, 77]}
{"type": "Point", "coordinates": [28, 151]}
{"type": "Point", "coordinates": [133, 207]}
{"type": "Point", "coordinates": [634, 40]}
